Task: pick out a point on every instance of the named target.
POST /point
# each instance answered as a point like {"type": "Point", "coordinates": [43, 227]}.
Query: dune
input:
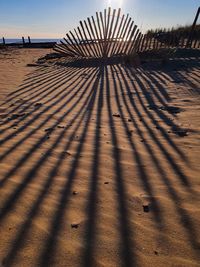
{"type": "Point", "coordinates": [99, 163]}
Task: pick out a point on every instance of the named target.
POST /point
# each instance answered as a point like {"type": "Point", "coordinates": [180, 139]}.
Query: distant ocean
{"type": "Point", "coordinates": [9, 41]}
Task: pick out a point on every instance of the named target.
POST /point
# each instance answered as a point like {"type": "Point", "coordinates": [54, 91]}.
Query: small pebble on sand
{"type": "Point", "coordinates": [75, 225]}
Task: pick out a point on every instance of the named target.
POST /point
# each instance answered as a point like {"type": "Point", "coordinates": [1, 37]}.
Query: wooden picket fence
{"type": "Point", "coordinates": [110, 34]}
{"type": "Point", "coordinates": [170, 40]}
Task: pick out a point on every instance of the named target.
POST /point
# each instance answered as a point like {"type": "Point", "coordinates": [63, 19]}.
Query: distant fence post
{"type": "Point", "coordinates": [142, 43]}
{"type": "Point", "coordinates": [198, 46]}
{"type": "Point", "coordinates": [190, 39]}
{"type": "Point", "coordinates": [195, 43]}
{"type": "Point", "coordinates": [4, 42]}
{"type": "Point", "coordinates": [23, 40]}
{"type": "Point", "coordinates": [182, 41]}
{"type": "Point", "coordinates": [29, 39]}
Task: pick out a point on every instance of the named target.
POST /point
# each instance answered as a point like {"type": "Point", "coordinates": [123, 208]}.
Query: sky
{"type": "Point", "coordinates": [54, 18]}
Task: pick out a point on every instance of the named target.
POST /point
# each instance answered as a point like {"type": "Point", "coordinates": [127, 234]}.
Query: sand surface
{"type": "Point", "coordinates": [100, 165]}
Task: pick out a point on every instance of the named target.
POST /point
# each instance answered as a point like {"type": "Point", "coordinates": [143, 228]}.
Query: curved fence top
{"type": "Point", "coordinates": [106, 34]}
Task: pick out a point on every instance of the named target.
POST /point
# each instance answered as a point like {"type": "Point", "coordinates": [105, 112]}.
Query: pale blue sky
{"type": "Point", "coordinates": [53, 18]}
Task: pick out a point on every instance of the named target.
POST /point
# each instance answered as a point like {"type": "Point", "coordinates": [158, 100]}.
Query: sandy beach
{"type": "Point", "coordinates": [99, 164]}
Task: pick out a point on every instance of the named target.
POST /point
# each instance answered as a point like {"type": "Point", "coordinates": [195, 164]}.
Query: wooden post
{"type": "Point", "coordinates": [110, 35]}
{"type": "Point", "coordinates": [69, 47]}
{"type": "Point", "coordinates": [75, 43]}
{"type": "Point", "coordinates": [125, 29]}
{"type": "Point", "coordinates": [164, 44]}
{"type": "Point", "coordinates": [107, 24]}
{"type": "Point", "coordinates": [198, 46]}
{"type": "Point", "coordinates": [103, 31]}
{"type": "Point", "coordinates": [103, 22]}
{"type": "Point", "coordinates": [189, 42]}
{"type": "Point", "coordinates": [178, 37]}
{"type": "Point", "coordinates": [112, 42]}
{"type": "Point", "coordinates": [23, 40]}
{"type": "Point", "coordinates": [154, 43]}
{"type": "Point", "coordinates": [133, 45]}
{"type": "Point", "coordinates": [182, 41]}
{"type": "Point", "coordinates": [92, 31]}
{"type": "Point", "coordinates": [129, 42]}
{"type": "Point", "coordinates": [100, 32]}
{"type": "Point", "coordinates": [63, 50]}
{"type": "Point", "coordinates": [82, 47]}
{"type": "Point", "coordinates": [84, 42]}
{"type": "Point", "coordinates": [149, 43]}
{"type": "Point", "coordinates": [142, 43]}
{"type": "Point", "coordinates": [90, 48]}
{"type": "Point", "coordinates": [195, 43]}
{"type": "Point", "coordinates": [97, 37]}
{"type": "Point", "coordinates": [128, 38]}
{"type": "Point", "coordinates": [157, 44]}
{"type": "Point", "coordinates": [160, 45]}
{"type": "Point", "coordinates": [139, 43]}
{"type": "Point", "coordinates": [29, 39]}
{"type": "Point", "coordinates": [95, 52]}
{"type": "Point", "coordinates": [173, 39]}
{"type": "Point", "coordinates": [170, 39]}
{"type": "Point", "coordinates": [103, 27]}
{"type": "Point", "coordinates": [117, 36]}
